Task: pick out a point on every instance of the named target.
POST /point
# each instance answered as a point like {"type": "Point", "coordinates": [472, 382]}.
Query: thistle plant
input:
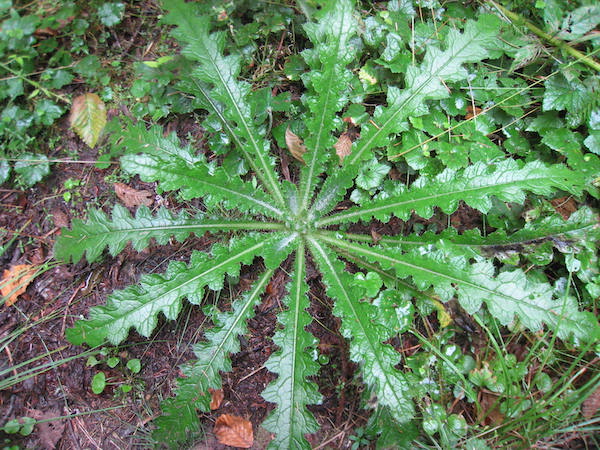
{"type": "Point", "coordinates": [268, 221]}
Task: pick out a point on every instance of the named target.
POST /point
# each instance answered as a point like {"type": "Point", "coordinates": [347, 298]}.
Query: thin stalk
{"type": "Point", "coordinates": [519, 20]}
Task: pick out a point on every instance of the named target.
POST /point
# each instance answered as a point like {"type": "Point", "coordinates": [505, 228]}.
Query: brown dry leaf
{"type": "Point", "coordinates": [49, 432]}
{"type": "Point", "coordinates": [591, 405]}
{"type": "Point", "coordinates": [472, 112]}
{"type": "Point", "coordinates": [295, 145]}
{"type": "Point", "coordinates": [234, 431]}
{"type": "Point", "coordinates": [216, 397]}
{"type": "Point", "coordinates": [132, 197]}
{"type": "Point", "coordinates": [343, 146]}
{"type": "Point", "coordinates": [15, 280]}
{"type": "Point", "coordinates": [565, 206]}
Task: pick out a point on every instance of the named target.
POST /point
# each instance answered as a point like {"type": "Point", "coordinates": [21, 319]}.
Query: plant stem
{"type": "Point", "coordinates": [517, 19]}
{"type": "Point", "coordinates": [36, 85]}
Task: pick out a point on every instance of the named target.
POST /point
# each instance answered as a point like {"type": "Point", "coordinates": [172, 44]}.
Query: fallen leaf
{"type": "Point", "coordinates": [565, 206]}
{"type": "Point", "coordinates": [50, 430]}
{"type": "Point", "coordinates": [15, 280]}
{"type": "Point", "coordinates": [88, 117]}
{"type": "Point", "coordinates": [294, 145]}
{"type": "Point", "coordinates": [472, 112]}
{"type": "Point", "coordinates": [591, 405]}
{"type": "Point", "coordinates": [216, 398]}
{"type": "Point", "coordinates": [132, 197]}
{"type": "Point", "coordinates": [234, 431]}
{"type": "Point", "coordinates": [343, 146]}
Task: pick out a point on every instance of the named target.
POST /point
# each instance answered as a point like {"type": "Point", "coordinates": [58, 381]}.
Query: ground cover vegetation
{"type": "Point", "coordinates": [419, 178]}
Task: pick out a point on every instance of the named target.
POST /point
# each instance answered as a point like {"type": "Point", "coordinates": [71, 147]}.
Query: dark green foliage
{"type": "Point", "coordinates": [277, 220]}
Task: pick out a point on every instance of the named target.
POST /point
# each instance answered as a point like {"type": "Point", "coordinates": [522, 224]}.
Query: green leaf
{"type": "Point", "coordinates": [111, 13]}
{"type": "Point", "coordinates": [426, 82]}
{"type": "Point", "coordinates": [330, 85]}
{"type": "Point", "coordinates": [93, 236]}
{"type": "Point", "coordinates": [227, 96]}
{"type": "Point", "coordinates": [293, 362]}
{"type": "Point", "coordinates": [507, 180]}
{"type": "Point", "coordinates": [377, 360]}
{"type": "Point", "coordinates": [565, 235]}
{"type": "Point", "coordinates": [98, 383]}
{"type": "Point", "coordinates": [506, 294]}
{"type": "Point", "coordinates": [31, 168]}
{"type": "Point", "coordinates": [134, 365]}
{"type": "Point", "coordinates": [179, 413]}
{"type": "Point", "coordinates": [88, 117]}
{"type": "Point", "coordinates": [138, 306]}
{"type": "Point", "coordinates": [164, 160]}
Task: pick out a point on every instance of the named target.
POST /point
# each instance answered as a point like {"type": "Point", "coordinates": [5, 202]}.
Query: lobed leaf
{"type": "Point", "coordinates": [229, 96]}
{"type": "Point", "coordinates": [506, 294]}
{"type": "Point", "coordinates": [426, 82]}
{"type": "Point", "coordinates": [98, 232]}
{"type": "Point", "coordinates": [180, 415]}
{"type": "Point", "coordinates": [565, 235]}
{"type": "Point", "coordinates": [508, 180]}
{"type": "Point", "coordinates": [138, 306]}
{"type": "Point", "coordinates": [293, 362]}
{"type": "Point", "coordinates": [329, 82]}
{"type": "Point", "coordinates": [377, 360]}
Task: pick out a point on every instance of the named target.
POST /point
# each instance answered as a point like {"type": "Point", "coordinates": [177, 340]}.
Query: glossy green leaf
{"type": "Point", "coordinates": [292, 363]}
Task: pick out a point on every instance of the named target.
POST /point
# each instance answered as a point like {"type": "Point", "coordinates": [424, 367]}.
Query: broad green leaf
{"type": "Point", "coordinates": [293, 362]}
{"type": "Point", "coordinates": [366, 336]}
{"type": "Point", "coordinates": [88, 117]}
{"type": "Point", "coordinates": [98, 232]}
{"type": "Point", "coordinates": [98, 383]}
{"type": "Point", "coordinates": [31, 168]}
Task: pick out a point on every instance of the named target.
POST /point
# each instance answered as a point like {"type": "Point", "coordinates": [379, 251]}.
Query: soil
{"type": "Point", "coordinates": [32, 331]}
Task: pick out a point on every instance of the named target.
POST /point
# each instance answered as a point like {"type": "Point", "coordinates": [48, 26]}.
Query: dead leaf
{"type": "Point", "coordinates": [472, 112]}
{"type": "Point", "coordinates": [88, 117]}
{"type": "Point", "coordinates": [234, 431]}
{"type": "Point", "coordinates": [565, 206]}
{"type": "Point", "coordinates": [48, 432]}
{"type": "Point", "coordinates": [216, 398]}
{"type": "Point", "coordinates": [295, 145]}
{"type": "Point", "coordinates": [132, 197]}
{"type": "Point", "coordinates": [343, 146]}
{"type": "Point", "coordinates": [15, 280]}
{"type": "Point", "coordinates": [591, 405]}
